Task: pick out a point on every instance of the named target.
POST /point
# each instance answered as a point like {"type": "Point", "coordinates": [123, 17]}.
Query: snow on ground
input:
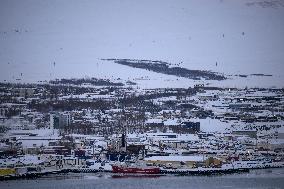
{"type": "Point", "coordinates": [36, 132]}
{"type": "Point", "coordinates": [242, 39]}
{"type": "Point", "coordinates": [26, 159]}
{"type": "Point", "coordinates": [212, 125]}
{"type": "Point", "coordinates": [175, 158]}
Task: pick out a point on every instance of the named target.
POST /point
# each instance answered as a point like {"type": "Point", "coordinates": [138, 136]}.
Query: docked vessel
{"type": "Point", "coordinates": [141, 170]}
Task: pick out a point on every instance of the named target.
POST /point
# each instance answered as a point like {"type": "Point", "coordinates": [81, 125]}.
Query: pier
{"type": "Point", "coordinates": [32, 175]}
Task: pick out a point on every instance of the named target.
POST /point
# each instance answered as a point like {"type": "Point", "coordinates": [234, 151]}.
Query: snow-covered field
{"type": "Point", "coordinates": [243, 37]}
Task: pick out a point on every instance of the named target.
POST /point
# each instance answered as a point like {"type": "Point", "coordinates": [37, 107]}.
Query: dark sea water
{"type": "Point", "coordinates": [265, 179]}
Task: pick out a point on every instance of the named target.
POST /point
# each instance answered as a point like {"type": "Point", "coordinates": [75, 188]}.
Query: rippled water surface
{"type": "Point", "coordinates": [268, 178]}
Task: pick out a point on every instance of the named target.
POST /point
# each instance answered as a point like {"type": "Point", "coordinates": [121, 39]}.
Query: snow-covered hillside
{"type": "Point", "coordinates": [243, 37]}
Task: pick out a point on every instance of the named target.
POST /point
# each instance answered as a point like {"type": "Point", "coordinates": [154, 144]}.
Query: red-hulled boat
{"type": "Point", "coordinates": [141, 170]}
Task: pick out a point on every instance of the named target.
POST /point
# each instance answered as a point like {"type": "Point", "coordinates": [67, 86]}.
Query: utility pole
{"type": "Point", "coordinates": [93, 149]}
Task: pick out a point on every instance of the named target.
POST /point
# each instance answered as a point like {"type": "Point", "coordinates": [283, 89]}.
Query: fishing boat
{"type": "Point", "coordinates": [135, 169]}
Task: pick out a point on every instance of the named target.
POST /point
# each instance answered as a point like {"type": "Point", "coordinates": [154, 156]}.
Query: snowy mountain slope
{"type": "Point", "coordinates": [243, 37]}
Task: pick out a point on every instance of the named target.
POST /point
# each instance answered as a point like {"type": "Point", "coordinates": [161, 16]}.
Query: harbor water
{"type": "Point", "coordinates": [262, 178]}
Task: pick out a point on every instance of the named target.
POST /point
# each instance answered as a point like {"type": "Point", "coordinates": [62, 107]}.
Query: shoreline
{"type": "Point", "coordinates": [163, 172]}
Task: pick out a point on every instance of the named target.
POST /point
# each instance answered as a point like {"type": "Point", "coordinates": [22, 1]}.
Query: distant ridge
{"type": "Point", "coordinates": [165, 68]}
